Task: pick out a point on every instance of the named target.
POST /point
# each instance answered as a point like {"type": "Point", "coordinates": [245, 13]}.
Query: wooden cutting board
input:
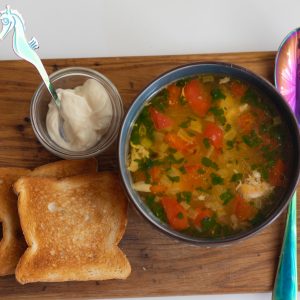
{"type": "Point", "coordinates": [160, 266]}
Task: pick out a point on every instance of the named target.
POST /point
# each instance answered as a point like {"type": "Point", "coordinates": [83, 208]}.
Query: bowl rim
{"type": "Point", "coordinates": [164, 228]}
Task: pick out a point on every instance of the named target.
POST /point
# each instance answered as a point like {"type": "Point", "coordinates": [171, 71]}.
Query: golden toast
{"type": "Point", "coordinates": [72, 227]}
{"type": "Point", "coordinates": [12, 244]}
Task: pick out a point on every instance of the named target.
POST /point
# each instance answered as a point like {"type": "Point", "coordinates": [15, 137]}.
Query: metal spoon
{"type": "Point", "coordinates": [287, 81]}
{"type": "Point", "coordinates": [12, 20]}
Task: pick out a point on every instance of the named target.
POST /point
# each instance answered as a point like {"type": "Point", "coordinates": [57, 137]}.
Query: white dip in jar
{"type": "Point", "coordinates": [87, 114]}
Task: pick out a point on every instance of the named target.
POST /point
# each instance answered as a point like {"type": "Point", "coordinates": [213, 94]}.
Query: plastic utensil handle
{"type": "Point", "coordinates": [41, 69]}
{"type": "Point", "coordinates": [13, 20]}
{"type": "Point", "coordinates": [286, 284]}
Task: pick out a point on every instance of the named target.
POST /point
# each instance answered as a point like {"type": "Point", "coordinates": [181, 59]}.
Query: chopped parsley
{"type": "Point", "coordinates": [236, 177]}
{"type": "Point", "coordinates": [180, 215]}
{"type": "Point", "coordinates": [253, 99]}
{"type": "Point", "coordinates": [201, 171]}
{"type": "Point", "coordinates": [277, 133]}
{"type": "Point", "coordinates": [252, 139]}
{"type": "Point", "coordinates": [230, 144]}
{"type": "Point", "coordinates": [184, 197]}
{"type": "Point", "coordinates": [206, 143]}
{"type": "Point", "coordinates": [143, 127]}
{"type": "Point", "coordinates": [226, 197]}
{"type": "Point", "coordinates": [182, 100]}
{"type": "Point", "coordinates": [208, 223]}
{"type": "Point", "coordinates": [219, 114]}
{"type": "Point", "coordinates": [209, 163]}
{"type": "Point", "coordinates": [200, 189]}
{"type": "Point", "coordinates": [183, 82]}
{"type": "Point", "coordinates": [160, 101]}
{"type": "Point", "coordinates": [216, 179]}
{"type": "Point", "coordinates": [216, 94]}
{"type": "Point", "coordinates": [170, 159]}
{"type": "Point", "coordinates": [227, 127]}
{"type": "Point", "coordinates": [156, 208]}
{"type": "Point", "coordinates": [174, 178]}
{"type": "Point", "coordinates": [186, 123]}
{"type": "Point", "coordinates": [182, 170]}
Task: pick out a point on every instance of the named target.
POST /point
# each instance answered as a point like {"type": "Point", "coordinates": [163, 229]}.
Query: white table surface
{"type": "Point", "coordinates": [98, 28]}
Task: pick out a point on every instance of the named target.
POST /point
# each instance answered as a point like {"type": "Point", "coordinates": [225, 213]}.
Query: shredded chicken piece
{"type": "Point", "coordinates": [224, 80]}
{"type": "Point", "coordinates": [243, 107]}
{"type": "Point", "coordinates": [254, 187]}
{"type": "Point", "coordinates": [137, 152]}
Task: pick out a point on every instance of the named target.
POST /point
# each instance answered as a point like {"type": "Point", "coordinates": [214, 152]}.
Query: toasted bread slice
{"type": "Point", "coordinates": [72, 227]}
{"type": "Point", "coordinates": [13, 245]}
{"type": "Point", "coordinates": [66, 168]}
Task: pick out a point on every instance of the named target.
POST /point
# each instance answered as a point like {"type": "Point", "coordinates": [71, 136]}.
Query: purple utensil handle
{"type": "Point", "coordinates": [297, 104]}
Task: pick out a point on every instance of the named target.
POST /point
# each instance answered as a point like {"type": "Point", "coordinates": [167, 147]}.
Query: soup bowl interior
{"type": "Point", "coordinates": [272, 99]}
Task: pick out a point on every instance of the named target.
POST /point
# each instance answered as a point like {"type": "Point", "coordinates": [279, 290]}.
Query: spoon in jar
{"type": "Point", "coordinates": [287, 81]}
{"type": "Point", "coordinates": [12, 20]}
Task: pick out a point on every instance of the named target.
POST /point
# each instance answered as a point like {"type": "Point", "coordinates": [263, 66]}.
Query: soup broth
{"type": "Point", "coordinates": [206, 155]}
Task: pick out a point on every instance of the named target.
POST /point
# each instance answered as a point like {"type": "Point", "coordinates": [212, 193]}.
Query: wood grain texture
{"type": "Point", "coordinates": [161, 266]}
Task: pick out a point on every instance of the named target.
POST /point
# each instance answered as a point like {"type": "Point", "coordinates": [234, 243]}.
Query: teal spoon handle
{"type": "Point", "coordinates": [286, 283]}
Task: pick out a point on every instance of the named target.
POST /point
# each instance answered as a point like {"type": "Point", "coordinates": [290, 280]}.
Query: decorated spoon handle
{"type": "Point", "coordinates": [13, 20]}
{"type": "Point", "coordinates": [286, 283]}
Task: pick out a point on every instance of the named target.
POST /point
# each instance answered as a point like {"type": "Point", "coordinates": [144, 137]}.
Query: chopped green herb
{"type": "Point", "coordinates": [226, 197]}
{"type": "Point", "coordinates": [148, 176]}
{"type": "Point", "coordinates": [185, 124]}
{"type": "Point", "coordinates": [200, 189]}
{"type": "Point", "coordinates": [145, 163]}
{"type": "Point", "coordinates": [264, 173]}
{"type": "Point", "coordinates": [219, 114]}
{"type": "Point", "coordinates": [236, 177]}
{"type": "Point", "coordinates": [182, 100]}
{"type": "Point", "coordinates": [183, 82]}
{"type": "Point", "coordinates": [172, 150]}
{"type": "Point", "coordinates": [216, 179]}
{"type": "Point", "coordinates": [160, 101]}
{"type": "Point", "coordinates": [259, 218]}
{"type": "Point", "coordinates": [216, 94]}
{"type": "Point", "coordinates": [227, 127]}
{"type": "Point", "coordinates": [142, 127]}
{"type": "Point", "coordinates": [263, 170]}
{"type": "Point", "coordinates": [182, 170]}
{"type": "Point", "coordinates": [174, 178]}
{"type": "Point", "coordinates": [209, 163]}
{"type": "Point", "coordinates": [253, 99]}
{"type": "Point", "coordinates": [170, 159]}
{"type": "Point", "coordinates": [190, 133]}
{"type": "Point", "coordinates": [230, 144]}
{"type": "Point", "coordinates": [184, 196]}
{"type": "Point", "coordinates": [206, 143]}
{"type": "Point", "coordinates": [208, 223]}
{"type": "Point", "coordinates": [277, 133]}
{"type": "Point", "coordinates": [180, 215]}
{"type": "Point", "coordinates": [252, 140]}
{"type": "Point", "coordinates": [201, 171]}
{"type": "Point", "coordinates": [269, 155]}
{"type": "Point", "coordinates": [156, 208]}
{"type": "Point", "coordinates": [264, 128]}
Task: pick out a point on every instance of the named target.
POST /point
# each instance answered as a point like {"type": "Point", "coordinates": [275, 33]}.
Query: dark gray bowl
{"type": "Point", "coordinates": [272, 96]}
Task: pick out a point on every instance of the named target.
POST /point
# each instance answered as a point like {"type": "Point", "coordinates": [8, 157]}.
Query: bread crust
{"type": "Point", "coordinates": [72, 227]}
{"type": "Point", "coordinates": [13, 245]}
{"type": "Point", "coordinates": [66, 168]}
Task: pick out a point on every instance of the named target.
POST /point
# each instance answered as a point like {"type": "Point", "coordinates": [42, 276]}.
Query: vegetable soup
{"type": "Point", "coordinates": [206, 155]}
